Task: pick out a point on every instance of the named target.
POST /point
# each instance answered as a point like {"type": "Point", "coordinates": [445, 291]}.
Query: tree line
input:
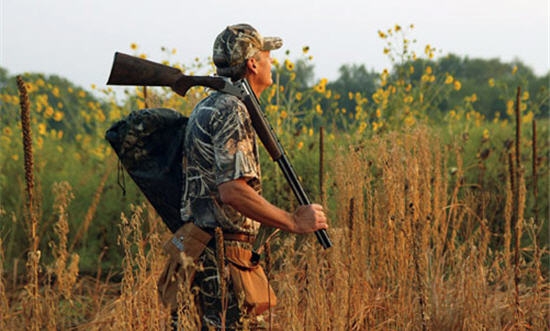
{"type": "Point", "coordinates": [489, 79]}
{"type": "Point", "coordinates": [477, 76]}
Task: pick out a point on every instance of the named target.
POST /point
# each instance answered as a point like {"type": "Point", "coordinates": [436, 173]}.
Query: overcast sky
{"type": "Point", "coordinates": [76, 39]}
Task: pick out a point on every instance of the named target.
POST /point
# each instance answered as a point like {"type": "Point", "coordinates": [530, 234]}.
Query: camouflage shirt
{"type": "Point", "coordinates": [220, 146]}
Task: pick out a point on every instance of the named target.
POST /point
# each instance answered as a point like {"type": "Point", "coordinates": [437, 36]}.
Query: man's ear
{"type": "Point", "coordinates": [251, 64]}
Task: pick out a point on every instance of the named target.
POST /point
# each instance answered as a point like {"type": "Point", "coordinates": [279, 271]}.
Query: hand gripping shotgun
{"type": "Point", "coordinates": [131, 70]}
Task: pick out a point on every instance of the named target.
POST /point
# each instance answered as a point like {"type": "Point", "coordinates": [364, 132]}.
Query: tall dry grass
{"type": "Point", "coordinates": [412, 251]}
{"type": "Point", "coordinates": [137, 306]}
{"type": "Point", "coordinates": [407, 254]}
{"type": "Point", "coordinates": [4, 303]}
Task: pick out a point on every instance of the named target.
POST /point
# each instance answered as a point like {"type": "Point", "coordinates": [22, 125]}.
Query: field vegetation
{"type": "Point", "coordinates": [434, 171]}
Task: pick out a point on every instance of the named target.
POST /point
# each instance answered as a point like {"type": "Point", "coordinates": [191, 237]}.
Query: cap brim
{"type": "Point", "coordinates": [272, 43]}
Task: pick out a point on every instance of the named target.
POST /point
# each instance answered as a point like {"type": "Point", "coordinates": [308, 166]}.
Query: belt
{"type": "Point", "coordinates": [244, 237]}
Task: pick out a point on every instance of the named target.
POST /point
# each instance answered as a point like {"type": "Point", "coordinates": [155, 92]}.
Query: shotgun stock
{"type": "Point", "coordinates": [130, 70]}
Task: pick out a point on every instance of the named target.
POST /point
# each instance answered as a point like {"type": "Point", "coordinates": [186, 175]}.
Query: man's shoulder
{"type": "Point", "coordinates": [219, 104]}
{"type": "Point", "coordinates": [225, 101]}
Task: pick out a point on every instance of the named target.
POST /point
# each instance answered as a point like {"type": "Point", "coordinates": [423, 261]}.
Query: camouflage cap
{"type": "Point", "coordinates": [239, 42]}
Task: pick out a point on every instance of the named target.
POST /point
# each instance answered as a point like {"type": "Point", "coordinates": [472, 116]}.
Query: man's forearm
{"type": "Point", "coordinates": [244, 199]}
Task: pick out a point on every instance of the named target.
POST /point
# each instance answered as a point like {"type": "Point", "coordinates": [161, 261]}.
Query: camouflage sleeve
{"type": "Point", "coordinates": [234, 146]}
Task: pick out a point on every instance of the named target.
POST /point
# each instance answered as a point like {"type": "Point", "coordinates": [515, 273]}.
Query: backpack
{"type": "Point", "coordinates": [149, 145]}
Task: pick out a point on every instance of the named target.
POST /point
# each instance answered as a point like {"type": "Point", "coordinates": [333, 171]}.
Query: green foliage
{"type": "Point", "coordinates": [433, 88]}
{"type": "Point", "coordinates": [471, 102]}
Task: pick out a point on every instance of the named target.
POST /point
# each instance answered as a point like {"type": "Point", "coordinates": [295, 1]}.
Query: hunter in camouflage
{"type": "Point", "coordinates": [221, 179]}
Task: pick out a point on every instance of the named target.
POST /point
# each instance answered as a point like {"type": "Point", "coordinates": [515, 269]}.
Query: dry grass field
{"type": "Point", "coordinates": [437, 223]}
{"type": "Point", "coordinates": [411, 252]}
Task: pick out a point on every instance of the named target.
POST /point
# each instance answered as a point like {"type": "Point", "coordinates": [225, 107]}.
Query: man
{"type": "Point", "coordinates": [222, 170]}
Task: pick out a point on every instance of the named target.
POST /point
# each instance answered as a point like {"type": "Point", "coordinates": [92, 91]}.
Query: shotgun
{"type": "Point", "coordinates": [131, 70]}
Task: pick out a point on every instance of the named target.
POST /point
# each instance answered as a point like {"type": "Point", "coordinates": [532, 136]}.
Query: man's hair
{"type": "Point", "coordinates": [235, 72]}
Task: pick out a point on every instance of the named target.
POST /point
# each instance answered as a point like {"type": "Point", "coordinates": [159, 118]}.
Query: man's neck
{"type": "Point", "coordinates": [258, 89]}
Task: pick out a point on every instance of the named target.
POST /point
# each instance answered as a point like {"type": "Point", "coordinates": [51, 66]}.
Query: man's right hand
{"type": "Point", "coordinates": [309, 218]}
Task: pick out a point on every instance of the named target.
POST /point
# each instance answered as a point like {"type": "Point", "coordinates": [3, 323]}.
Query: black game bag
{"type": "Point", "coordinates": [149, 144]}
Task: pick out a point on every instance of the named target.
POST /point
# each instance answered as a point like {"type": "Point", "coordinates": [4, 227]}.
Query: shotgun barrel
{"type": "Point", "coordinates": [270, 141]}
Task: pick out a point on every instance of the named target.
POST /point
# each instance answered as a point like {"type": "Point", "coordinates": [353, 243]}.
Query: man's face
{"type": "Point", "coordinates": [263, 62]}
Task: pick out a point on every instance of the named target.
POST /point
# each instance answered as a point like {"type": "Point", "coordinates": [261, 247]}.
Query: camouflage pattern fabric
{"type": "Point", "coordinates": [237, 43]}
{"type": "Point", "coordinates": [220, 146]}
{"type": "Point", "coordinates": [149, 144]}
{"type": "Point", "coordinates": [208, 282]}
{"type": "Point", "coordinates": [209, 298]}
